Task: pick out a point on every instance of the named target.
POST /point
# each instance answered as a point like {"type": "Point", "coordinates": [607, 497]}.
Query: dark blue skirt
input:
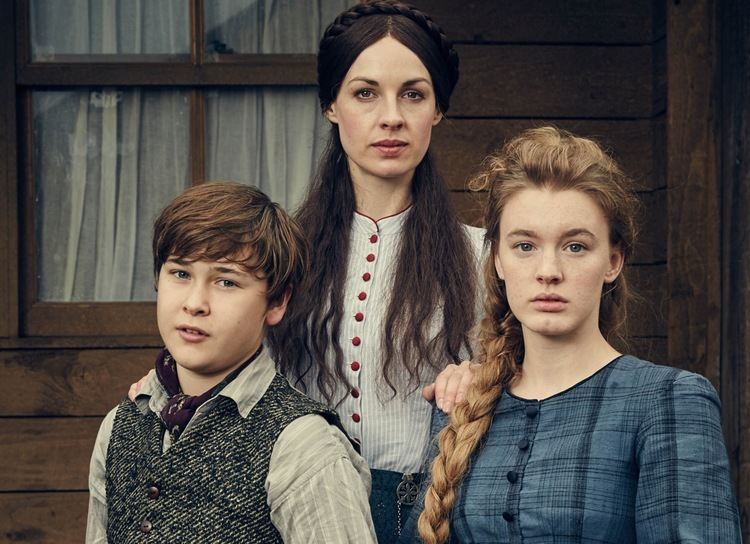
{"type": "Point", "coordinates": [391, 500]}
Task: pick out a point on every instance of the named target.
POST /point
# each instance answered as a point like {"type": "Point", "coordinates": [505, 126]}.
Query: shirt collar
{"type": "Point", "coordinates": [390, 224]}
{"type": "Point", "coordinates": [245, 390]}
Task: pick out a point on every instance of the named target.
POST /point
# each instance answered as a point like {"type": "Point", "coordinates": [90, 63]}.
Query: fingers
{"type": "Point", "coordinates": [452, 384]}
{"type": "Point", "coordinates": [137, 386]}
{"type": "Point", "coordinates": [428, 392]}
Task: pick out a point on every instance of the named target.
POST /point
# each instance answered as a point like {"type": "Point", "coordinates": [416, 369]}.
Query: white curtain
{"type": "Point", "coordinates": [107, 160]}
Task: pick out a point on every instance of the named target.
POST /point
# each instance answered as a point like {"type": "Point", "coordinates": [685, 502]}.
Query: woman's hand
{"type": "Point", "coordinates": [451, 385]}
{"type": "Point", "coordinates": [136, 387]}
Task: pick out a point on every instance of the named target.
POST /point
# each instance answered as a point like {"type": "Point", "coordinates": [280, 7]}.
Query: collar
{"type": "Point", "coordinates": [245, 390]}
{"type": "Point", "coordinates": [390, 224]}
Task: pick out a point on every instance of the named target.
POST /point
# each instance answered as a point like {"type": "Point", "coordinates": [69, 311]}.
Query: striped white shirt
{"type": "Point", "coordinates": [393, 431]}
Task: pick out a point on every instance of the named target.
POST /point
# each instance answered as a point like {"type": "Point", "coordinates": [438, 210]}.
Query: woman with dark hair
{"type": "Point", "coordinates": [391, 294]}
{"type": "Point", "coordinates": [563, 438]}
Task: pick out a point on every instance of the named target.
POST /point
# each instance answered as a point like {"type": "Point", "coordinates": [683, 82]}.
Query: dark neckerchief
{"type": "Point", "coordinates": [180, 408]}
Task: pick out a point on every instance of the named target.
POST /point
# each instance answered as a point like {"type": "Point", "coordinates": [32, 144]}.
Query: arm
{"type": "Point", "coordinates": [96, 524]}
{"type": "Point", "coordinates": [684, 486]}
{"type": "Point", "coordinates": [318, 486]}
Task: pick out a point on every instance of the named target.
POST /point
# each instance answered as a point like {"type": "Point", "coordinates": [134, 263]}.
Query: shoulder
{"type": "Point", "coordinates": [658, 377]}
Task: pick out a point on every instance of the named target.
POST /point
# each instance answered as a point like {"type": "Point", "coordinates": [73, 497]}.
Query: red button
{"type": "Point", "coordinates": [362, 296]}
{"type": "Point", "coordinates": [356, 418]}
{"type": "Point", "coordinates": [355, 366]}
{"type": "Point", "coordinates": [373, 238]}
{"type": "Point", "coordinates": [366, 276]}
{"type": "Point", "coordinates": [359, 316]}
{"type": "Point", "coordinates": [355, 393]}
{"type": "Point", "coordinates": [370, 258]}
{"type": "Point", "coordinates": [356, 340]}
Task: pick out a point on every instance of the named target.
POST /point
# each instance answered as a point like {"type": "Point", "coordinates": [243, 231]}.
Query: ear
{"type": "Point", "coordinates": [499, 268]}
{"type": "Point", "coordinates": [616, 262]}
{"type": "Point", "coordinates": [276, 311]}
{"type": "Point", "coordinates": [438, 117]}
{"type": "Point", "coordinates": [331, 114]}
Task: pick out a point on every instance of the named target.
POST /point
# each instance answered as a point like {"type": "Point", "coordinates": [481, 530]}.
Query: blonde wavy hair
{"type": "Point", "coordinates": [553, 159]}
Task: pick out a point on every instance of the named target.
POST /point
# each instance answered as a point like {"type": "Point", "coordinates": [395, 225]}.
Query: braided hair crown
{"type": "Point", "coordinates": [335, 56]}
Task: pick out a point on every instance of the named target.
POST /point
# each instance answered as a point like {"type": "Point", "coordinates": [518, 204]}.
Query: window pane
{"type": "Point", "coordinates": [109, 30]}
{"type": "Point", "coordinates": [105, 162]}
{"type": "Point", "coordinates": [268, 26]}
{"type": "Point", "coordinates": [268, 137]}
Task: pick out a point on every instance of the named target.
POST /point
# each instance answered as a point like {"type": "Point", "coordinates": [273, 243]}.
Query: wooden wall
{"type": "Point", "coordinates": [596, 68]}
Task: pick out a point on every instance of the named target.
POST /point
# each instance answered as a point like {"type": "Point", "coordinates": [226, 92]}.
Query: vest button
{"type": "Point", "coordinates": [153, 492]}
{"type": "Point", "coordinates": [146, 526]}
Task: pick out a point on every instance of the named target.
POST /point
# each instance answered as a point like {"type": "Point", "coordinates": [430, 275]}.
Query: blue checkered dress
{"type": "Point", "coordinates": [634, 453]}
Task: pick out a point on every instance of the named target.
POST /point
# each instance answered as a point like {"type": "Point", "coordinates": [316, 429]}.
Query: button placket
{"type": "Point", "coordinates": [530, 414]}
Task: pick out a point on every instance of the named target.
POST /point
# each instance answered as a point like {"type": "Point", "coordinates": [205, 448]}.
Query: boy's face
{"type": "Point", "coordinates": [211, 316]}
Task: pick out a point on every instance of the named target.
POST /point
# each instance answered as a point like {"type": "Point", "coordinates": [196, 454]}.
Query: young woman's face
{"type": "Point", "coordinates": [385, 111]}
{"type": "Point", "coordinates": [554, 255]}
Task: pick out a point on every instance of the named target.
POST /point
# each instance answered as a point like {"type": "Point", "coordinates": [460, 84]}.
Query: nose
{"type": "Point", "coordinates": [196, 301]}
{"type": "Point", "coordinates": [391, 116]}
{"type": "Point", "coordinates": [549, 271]}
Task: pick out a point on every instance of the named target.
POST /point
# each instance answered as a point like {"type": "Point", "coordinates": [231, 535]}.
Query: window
{"type": "Point", "coordinates": [125, 103]}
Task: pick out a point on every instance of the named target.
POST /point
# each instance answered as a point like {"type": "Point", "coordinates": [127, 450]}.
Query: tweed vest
{"type": "Point", "coordinates": [209, 485]}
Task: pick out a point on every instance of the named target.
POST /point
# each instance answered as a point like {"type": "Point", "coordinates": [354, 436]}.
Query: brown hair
{"type": "Point", "coordinates": [547, 158]}
{"type": "Point", "coordinates": [239, 223]}
{"type": "Point", "coordinates": [435, 248]}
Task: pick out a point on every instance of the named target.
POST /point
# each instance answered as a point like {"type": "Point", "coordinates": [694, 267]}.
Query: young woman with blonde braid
{"type": "Point", "coordinates": [564, 439]}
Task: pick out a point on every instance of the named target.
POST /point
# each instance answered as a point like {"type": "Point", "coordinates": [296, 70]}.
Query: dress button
{"type": "Point", "coordinates": [153, 492]}
{"type": "Point", "coordinates": [366, 276]}
{"type": "Point", "coordinates": [531, 411]}
{"type": "Point", "coordinates": [373, 238]}
{"type": "Point", "coordinates": [362, 296]}
{"type": "Point", "coordinates": [146, 526]}
{"type": "Point", "coordinates": [512, 476]}
{"type": "Point", "coordinates": [354, 366]}
{"type": "Point", "coordinates": [370, 258]}
{"type": "Point", "coordinates": [356, 418]}
{"type": "Point", "coordinates": [359, 316]}
{"type": "Point", "coordinates": [356, 340]}
{"type": "Point", "coordinates": [507, 516]}
{"type": "Point", "coordinates": [523, 444]}
{"type": "Point", "coordinates": [355, 393]}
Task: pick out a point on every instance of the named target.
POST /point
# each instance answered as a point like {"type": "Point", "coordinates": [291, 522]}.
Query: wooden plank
{"type": "Point", "coordinates": [651, 243]}
{"type": "Point", "coordinates": [693, 188]}
{"type": "Point", "coordinates": [652, 349]}
{"type": "Point", "coordinates": [647, 316]}
{"type": "Point", "coordinates": [558, 81]}
{"type": "Point", "coordinates": [69, 382]}
{"type": "Point", "coordinates": [43, 517]}
{"type": "Point", "coordinates": [80, 342]}
{"type": "Point", "coordinates": [8, 181]}
{"type": "Point", "coordinates": [548, 21]}
{"type": "Point", "coordinates": [735, 176]}
{"type": "Point", "coordinates": [46, 453]}
{"type": "Point", "coordinates": [91, 319]}
{"type": "Point", "coordinates": [460, 145]}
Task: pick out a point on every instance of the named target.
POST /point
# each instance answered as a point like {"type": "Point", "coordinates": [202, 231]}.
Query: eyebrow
{"type": "Point", "coordinates": [228, 270]}
{"type": "Point", "coordinates": [523, 233]}
{"type": "Point", "coordinates": [406, 83]}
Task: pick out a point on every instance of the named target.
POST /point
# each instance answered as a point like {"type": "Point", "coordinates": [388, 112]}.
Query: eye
{"type": "Point", "coordinates": [413, 95]}
{"type": "Point", "coordinates": [364, 94]}
{"type": "Point", "coordinates": [524, 246]}
{"type": "Point", "coordinates": [227, 284]}
{"type": "Point", "coordinates": [576, 247]}
{"type": "Point", "coordinates": [180, 274]}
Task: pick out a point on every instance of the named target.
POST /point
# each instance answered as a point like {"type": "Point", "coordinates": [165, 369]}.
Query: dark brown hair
{"type": "Point", "coordinates": [553, 159]}
{"type": "Point", "coordinates": [435, 250]}
{"type": "Point", "coordinates": [238, 223]}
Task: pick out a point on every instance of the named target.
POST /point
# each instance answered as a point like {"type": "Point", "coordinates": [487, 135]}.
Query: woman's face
{"type": "Point", "coordinates": [554, 255]}
{"type": "Point", "coordinates": [385, 111]}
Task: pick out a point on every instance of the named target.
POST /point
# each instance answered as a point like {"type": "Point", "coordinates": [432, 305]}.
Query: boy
{"type": "Point", "coordinates": [218, 447]}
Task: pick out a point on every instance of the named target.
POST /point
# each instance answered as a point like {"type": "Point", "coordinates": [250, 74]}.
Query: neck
{"type": "Point", "coordinates": [378, 197]}
{"type": "Point", "coordinates": [196, 383]}
{"type": "Point", "coordinates": [553, 364]}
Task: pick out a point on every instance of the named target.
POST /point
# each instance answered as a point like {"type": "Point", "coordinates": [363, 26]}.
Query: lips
{"type": "Point", "coordinates": [549, 302]}
{"type": "Point", "coordinates": [389, 147]}
{"type": "Point", "coordinates": [192, 334]}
